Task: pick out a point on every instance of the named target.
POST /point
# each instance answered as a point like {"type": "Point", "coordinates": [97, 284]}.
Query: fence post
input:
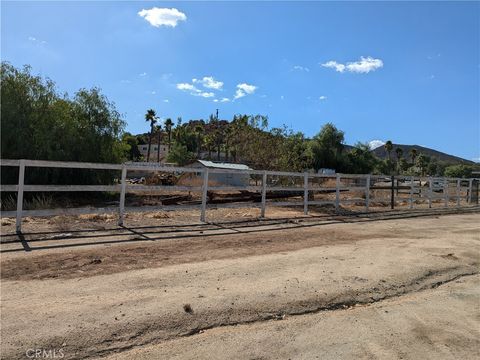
{"type": "Point", "coordinates": [305, 193]}
{"type": "Point", "coordinates": [204, 194]}
{"type": "Point", "coordinates": [392, 193]}
{"type": "Point", "coordinates": [470, 182]}
{"type": "Point", "coordinates": [123, 187]}
{"type": "Point", "coordinates": [412, 179]}
{"type": "Point", "coordinates": [458, 193]}
{"type": "Point", "coordinates": [445, 190]}
{"type": "Point", "coordinates": [367, 194]}
{"type": "Point", "coordinates": [430, 192]}
{"type": "Point", "coordinates": [264, 194]}
{"type": "Point", "coordinates": [337, 193]}
{"type": "Point", "coordinates": [21, 179]}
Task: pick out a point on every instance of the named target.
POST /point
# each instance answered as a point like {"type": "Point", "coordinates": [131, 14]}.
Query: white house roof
{"type": "Point", "coordinates": [217, 165]}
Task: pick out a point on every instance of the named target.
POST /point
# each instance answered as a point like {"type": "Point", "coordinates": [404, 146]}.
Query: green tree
{"type": "Point", "coordinates": [361, 159]}
{"type": "Point", "coordinates": [131, 141]}
{"type": "Point", "coordinates": [422, 162]}
{"type": "Point", "coordinates": [458, 171]}
{"type": "Point", "coordinates": [38, 123]}
{"type": "Point", "coordinates": [180, 155]}
{"type": "Point", "coordinates": [327, 147]}
{"type": "Point", "coordinates": [168, 129]}
{"type": "Point", "coordinates": [151, 117]}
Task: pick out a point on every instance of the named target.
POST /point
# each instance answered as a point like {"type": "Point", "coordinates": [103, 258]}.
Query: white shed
{"type": "Point", "coordinates": [229, 178]}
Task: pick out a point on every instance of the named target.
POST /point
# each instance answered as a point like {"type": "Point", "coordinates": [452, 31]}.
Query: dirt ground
{"type": "Point", "coordinates": [287, 287]}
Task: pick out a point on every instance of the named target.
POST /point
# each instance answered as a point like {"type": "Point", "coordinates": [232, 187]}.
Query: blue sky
{"type": "Point", "coordinates": [408, 72]}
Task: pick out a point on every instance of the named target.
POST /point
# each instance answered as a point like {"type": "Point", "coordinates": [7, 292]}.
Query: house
{"type": "Point", "coordinates": [227, 178]}
{"type": "Point", "coordinates": [164, 149]}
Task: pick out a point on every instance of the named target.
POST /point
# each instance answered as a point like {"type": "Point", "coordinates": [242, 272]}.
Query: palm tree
{"type": "Point", "coordinates": [399, 152]}
{"type": "Point", "coordinates": [209, 141]}
{"type": "Point", "coordinates": [199, 133]}
{"type": "Point", "coordinates": [168, 129]}
{"type": "Point", "coordinates": [413, 155]}
{"type": "Point", "coordinates": [151, 117]}
{"type": "Point", "coordinates": [158, 129]}
{"type": "Point", "coordinates": [389, 147]}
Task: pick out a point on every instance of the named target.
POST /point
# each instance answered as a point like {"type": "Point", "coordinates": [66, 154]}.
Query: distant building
{"type": "Point", "coordinates": [231, 179]}
{"type": "Point", "coordinates": [164, 149]}
{"type": "Point", "coordinates": [325, 171]}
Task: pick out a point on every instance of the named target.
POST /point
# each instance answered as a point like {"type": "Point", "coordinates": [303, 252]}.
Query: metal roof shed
{"type": "Point", "coordinates": [230, 178]}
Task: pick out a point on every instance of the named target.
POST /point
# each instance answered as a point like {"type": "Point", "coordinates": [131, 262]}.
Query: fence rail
{"type": "Point", "coordinates": [438, 189]}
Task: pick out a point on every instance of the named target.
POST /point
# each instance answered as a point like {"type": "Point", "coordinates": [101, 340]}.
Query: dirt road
{"type": "Point", "coordinates": [98, 301]}
{"type": "Point", "coordinates": [432, 324]}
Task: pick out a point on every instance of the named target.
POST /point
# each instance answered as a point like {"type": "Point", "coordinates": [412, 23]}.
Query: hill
{"type": "Point", "coordinates": [434, 154]}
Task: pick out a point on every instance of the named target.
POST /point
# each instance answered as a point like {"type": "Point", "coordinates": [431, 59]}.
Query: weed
{"type": "Point", "coordinates": [188, 308]}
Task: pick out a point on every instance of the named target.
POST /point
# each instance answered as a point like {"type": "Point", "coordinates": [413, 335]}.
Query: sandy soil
{"type": "Point", "coordinates": [433, 324]}
{"type": "Point", "coordinates": [96, 300]}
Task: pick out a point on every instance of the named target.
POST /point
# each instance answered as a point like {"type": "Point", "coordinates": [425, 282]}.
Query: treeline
{"type": "Point", "coordinates": [247, 139]}
{"type": "Point", "coordinates": [38, 122]}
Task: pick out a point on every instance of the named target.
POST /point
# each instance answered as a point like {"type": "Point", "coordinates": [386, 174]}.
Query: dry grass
{"type": "Point", "coordinates": [194, 180]}
{"type": "Point", "coordinates": [158, 215]}
{"type": "Point", "coordinates": [98, 217]}
{"type": "Point", "coordinates": [61, 223]}
{"type": "Point", "coordinates": [7, 221]}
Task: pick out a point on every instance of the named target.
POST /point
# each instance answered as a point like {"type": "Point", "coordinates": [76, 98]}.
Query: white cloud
{"type": "Point", "coordinates": [194, 91]}
{"type": "Point", "coordinates": [375, 144]}
{"type": "Point", "coordinates": [204, 94]}
{"type": "Point", "coordinates": [34, 40]}
{"type": "Point", "coordinates": [362, 66]}
{"type": "Point", "coordinates": [334, 65]}
{"type": "Point", "coordinates": [166, 100]}
{"type": "Point", "coordinates": [186, 87]}
{"type": "Point", "coordinates": [323, 97]}
{"type": "Point", "coordinates": [282, 97]}
{"type": "Point", "coordinates": [244, 89]}
{"type": "Point", "coordinates": [301, 68]}
{"type": "Point", "coordinates": [365, 65]}
{"type": "Point", "coordinates": [154, 92]}
{"type": "Point", "coordinates": [209, 82]}
{"type": "Point", "coordinates": [222, 100]}
{"type": "Point", "coordinates": [162, 16]}
{"type": "Point", "coordinates": [142, 74]}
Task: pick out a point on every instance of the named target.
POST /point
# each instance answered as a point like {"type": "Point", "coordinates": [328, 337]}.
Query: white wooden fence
{"type": "Point", "coordinates": [363, 185]}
